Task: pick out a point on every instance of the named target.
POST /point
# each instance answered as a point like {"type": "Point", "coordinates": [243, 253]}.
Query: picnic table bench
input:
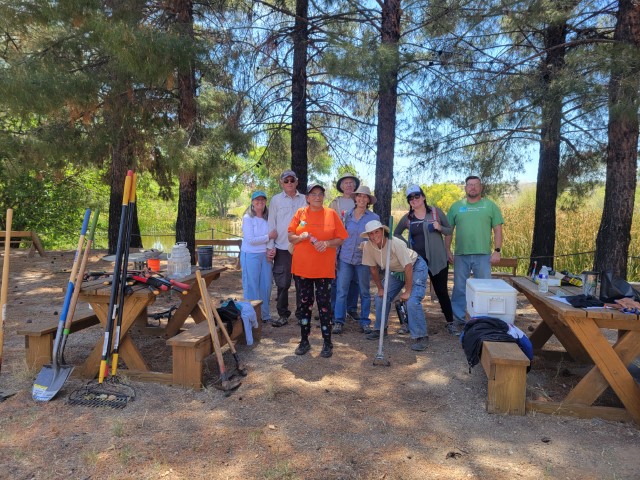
{"type": "Point", "coordinates": [191, 347]}
{"type": "Point", "coordinates": [506, 367]}
{"type": "Point", "coordinates": [23, 235]}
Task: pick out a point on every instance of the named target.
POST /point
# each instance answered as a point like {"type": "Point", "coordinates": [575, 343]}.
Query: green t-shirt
{"type": "Point", "coordinates": [473, 223]}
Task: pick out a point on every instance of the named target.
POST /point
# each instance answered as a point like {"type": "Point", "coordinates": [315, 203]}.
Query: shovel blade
{"type": "Point", "coordinates": [49, 382]}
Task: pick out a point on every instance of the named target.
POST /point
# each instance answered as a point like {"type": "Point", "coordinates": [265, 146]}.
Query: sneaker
{"type": "Point", "coordinates": [403, 330]}
{"type": "Point", "coordinates": [303, 348]}
{"type": "Point", "coordinates": [353, 315]}
{"type": "Point", "coordinates": [375, 334]}
{"type": "Point", "coordinates": [420, 344]}
{"type": "Point", "coordinates": [327, 350]}
{"type": "Point", "coordinates": [453, 329]}
{"type": "Point", "coordinates": [338, 328]}
{"type": "Point", "coordinates": [366, 329]}
{"type": "Point", "coordinates": [280, 322]}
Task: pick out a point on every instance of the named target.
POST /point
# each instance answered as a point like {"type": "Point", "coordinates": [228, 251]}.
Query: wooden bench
{"type": "Point", "coordinates": [224, 243]}
{"type": "Point", "coordinates": [511, 263]}
{"type": "Point", "coordinates": [506, 368]}
{"type": "Point", "coordinates": [28, 236]}
{"type": "Point", "coordinates": [191, 347]}
{"type": "Point", "coordinates": [39, 337]}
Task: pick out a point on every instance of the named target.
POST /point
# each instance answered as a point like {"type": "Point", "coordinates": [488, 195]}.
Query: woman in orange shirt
{"type": "Point", "coordinates": [316, 232]}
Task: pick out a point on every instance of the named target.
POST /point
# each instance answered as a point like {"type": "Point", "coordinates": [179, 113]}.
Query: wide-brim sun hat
{"type": "Point", "coordinates": [413, 189]}
{"type": "Point", "coordinates": [257, 194]}
{"type": "Point", "coordinates": [311, 186]}
{"type": "Point", "coordinates": [372, 226]}
{"type": "Point", "coordinates": [344, 177]}
{"type": "Point", "coordinates": [364, 190]}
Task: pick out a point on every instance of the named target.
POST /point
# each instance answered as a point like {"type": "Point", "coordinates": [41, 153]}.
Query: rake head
{"type": "Point", "coordinates": [111, 393]}
{"type": "Point", "coordinates": [381, 361]}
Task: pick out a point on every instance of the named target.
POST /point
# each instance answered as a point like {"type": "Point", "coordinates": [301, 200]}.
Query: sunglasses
{"type": "Point", "coordinates": [413, 197]}
{"type": "Point", "coordinates": [289, 181]}
{"type": "Point", "coordinates": [320, 194]}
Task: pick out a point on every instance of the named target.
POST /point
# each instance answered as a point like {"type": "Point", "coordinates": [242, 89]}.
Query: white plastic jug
{"type": "Point", "coordinates": [179, 261]}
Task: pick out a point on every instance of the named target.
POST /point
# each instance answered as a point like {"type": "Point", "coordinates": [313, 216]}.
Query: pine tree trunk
{"type": "Point", "coordinates": [387, 105]}
{"type": "Point", "coordinates": [299, 95]}
{"type": "Point", "coordinates": [544, 230]}
{"type": "Point", "coordinates": [614, 234]}
{"type": "Point", "coordinates": [187, 111]}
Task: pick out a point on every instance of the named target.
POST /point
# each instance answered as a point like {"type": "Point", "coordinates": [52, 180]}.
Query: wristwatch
{"type": "Point", "coordinates": [497, 250]}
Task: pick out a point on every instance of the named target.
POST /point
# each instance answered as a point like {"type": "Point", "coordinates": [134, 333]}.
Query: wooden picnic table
{"type": "Point", "coordinates": [582, 334]}
{"type": "Point", "coordinates": [135, 306]}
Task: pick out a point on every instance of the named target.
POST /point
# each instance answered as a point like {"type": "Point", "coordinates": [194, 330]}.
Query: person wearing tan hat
{"type": "Point", "coordinates": [316, 232]}
{"type": "Point", "coordinates": [350, 262]}
{"type": "Point", "coordinates": [407, 270]}
{"type": "Point", "coordinates": [281, 210]}
{"type": "Point", "coordinates": [346, 185]}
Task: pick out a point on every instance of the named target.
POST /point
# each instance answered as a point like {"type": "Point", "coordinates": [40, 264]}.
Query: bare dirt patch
{"type": "Point", "coordinates": [295, 417]}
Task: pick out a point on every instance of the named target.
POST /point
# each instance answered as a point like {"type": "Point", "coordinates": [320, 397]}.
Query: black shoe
{"type": "Point", "coordinates": [353, 315]}
{"type": "Point", "coordinates": [338, 328]}
{"type": "Point", "coordinates": [366, 329]}
{"type": "Point", "coordinates": [280, 322]}
{"type": "Point", "coordinates": [420, 344]}
{"type": "Point", "coordinates": [303, 348]}
{"type": "Point", "coordinates": [327, 350]}
{"type": "Point", "coordinates": [375, 334]}
{"type": "Point", "coordinates": [403, 330]}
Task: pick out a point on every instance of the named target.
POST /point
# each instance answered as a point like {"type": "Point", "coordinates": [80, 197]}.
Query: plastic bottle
{"type": "Point", "coordinates": [543, 280]}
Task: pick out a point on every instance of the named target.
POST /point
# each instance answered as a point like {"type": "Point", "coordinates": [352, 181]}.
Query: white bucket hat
{"type": "Point", "coordinates": [372, 226]}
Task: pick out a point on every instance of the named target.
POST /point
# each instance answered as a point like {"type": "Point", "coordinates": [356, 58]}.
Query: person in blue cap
{"type": "Point", "coordinates": [256, 266]}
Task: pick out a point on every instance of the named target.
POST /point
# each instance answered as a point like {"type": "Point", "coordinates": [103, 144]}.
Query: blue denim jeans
{"type": "Point", "coordinates": [417, 320]}
{"type": "Point", "coordinates": [463, 265]}
{"type": "Point", "coordinates": [257, 280]}
{"type": "Point", "coordinates": [344, 282]}
{"type": "Point", "coordinates": [352, 296]}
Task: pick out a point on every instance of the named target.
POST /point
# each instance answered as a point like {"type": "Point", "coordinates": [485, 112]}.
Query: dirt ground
{"type": "Point", "coordinates": [295, 417]}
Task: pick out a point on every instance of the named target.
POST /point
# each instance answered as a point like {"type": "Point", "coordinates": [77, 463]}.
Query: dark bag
{"type": "Point", "coordinates": [229, 313]}
{"type": "Point", "coordinates": [613, 288]}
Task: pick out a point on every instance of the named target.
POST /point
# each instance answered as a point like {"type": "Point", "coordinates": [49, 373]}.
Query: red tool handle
{"type": "Point", "coordinates": [148, 281]}
{"type": "Point", "coordinates": [180, 284]}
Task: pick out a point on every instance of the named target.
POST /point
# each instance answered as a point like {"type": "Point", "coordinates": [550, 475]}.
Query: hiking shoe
{"type": "Point", "coordinates": [353, 315]}
{"type": "Point", "coordinates": [327, 350]}
{"type": "Point", "coordinates": [266, 320]}
{"type": "Point", "coordinates": [453, 329]}
{"type": "Point", "coordinates": [338, 328]}
{"type": "Point", "coordinates": [366, 329]}
{"type": "Point", "coordinates": [303, 348]}
{"type": "Point", "coordinates": [420, 344]}
{"type": "Point", "coordinates": [375, 334]}
{"type": "Point", "coordinates": [403, 330]}
{"type": "Point", "coordinates": [280, 322]}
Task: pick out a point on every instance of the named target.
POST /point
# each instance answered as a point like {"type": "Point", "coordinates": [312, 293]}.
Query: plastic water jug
{"type": "Point", "coordinates": [179, 261]}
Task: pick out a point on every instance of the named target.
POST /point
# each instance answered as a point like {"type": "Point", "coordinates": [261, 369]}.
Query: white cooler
{"type": "Point", "coordinates": [491, 298]}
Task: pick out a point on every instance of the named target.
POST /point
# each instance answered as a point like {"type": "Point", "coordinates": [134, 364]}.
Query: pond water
{"type": "Point", "coordinates": [214, 228]}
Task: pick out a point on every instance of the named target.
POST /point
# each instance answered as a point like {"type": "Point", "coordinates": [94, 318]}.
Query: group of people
{"type": "Point", "coordinates": [333, 253]}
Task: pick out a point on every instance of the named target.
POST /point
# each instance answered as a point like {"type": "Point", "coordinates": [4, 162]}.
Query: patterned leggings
{"type": "Point", "coordinates": [305, 291]}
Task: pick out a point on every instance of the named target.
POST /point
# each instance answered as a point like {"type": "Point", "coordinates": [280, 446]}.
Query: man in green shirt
{"type": "Point", "coordinates": [473, 219]}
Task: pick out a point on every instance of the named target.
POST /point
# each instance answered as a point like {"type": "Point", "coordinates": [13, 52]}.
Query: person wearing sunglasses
{"type": "Point", "coordinates": [426, 226]}
{"type": "Point", "coordinates": [282, 208]}
{"type": "Point", "coordinates": [473, 219]}
{"type": "Point", "coordinates": [316, 232]}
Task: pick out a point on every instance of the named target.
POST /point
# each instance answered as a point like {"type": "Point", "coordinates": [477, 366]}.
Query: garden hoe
{"type": "Point", "coordinates": [52, 377]}
{"type": "Point", "coordinates": [380, 359]}
{"type": "Point", "coordinates": [226, 382]}
{"type": "Point", "coordinates": [4, 290]}
{"type": "Point", "coordinates": [50, 380]}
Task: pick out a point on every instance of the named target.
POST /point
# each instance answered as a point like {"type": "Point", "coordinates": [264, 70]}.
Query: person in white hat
{"type": "Point", "coordinates": [407, 270]}
{"type": "Point", "coordinates": [427, 225]}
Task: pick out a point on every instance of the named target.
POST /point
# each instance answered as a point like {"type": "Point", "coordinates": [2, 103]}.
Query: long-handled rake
{"type": "Point", "coordinates": [379, 359]}
{"type": "Point", "coordinates": [227, 382]}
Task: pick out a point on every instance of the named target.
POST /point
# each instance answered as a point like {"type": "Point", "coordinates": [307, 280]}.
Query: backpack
{"type": "Point", "coordinates": [229, 313]}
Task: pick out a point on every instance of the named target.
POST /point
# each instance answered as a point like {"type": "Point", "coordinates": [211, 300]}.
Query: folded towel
{"type": "Point", "coordinates": [249, 320]}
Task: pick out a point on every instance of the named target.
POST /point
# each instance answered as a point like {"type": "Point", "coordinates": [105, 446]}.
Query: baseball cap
{"type": "Point", "coordinates": [288, 173]}
{"type": "Point", "coordinates": [258, 193]}
{"type": "Point", "coordinates": [311, 186]}
{"type": "Point", "coordinates": [412, 190]}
